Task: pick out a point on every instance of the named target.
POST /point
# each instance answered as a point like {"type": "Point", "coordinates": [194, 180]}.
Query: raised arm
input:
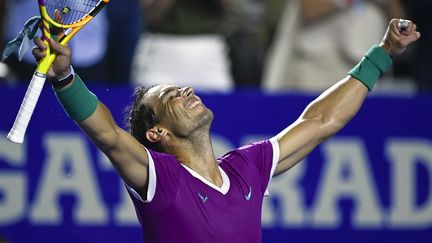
{"type": "Point", "coordinates": [127, 155]}
{"type": "Point", "coordinates": [332, 110]}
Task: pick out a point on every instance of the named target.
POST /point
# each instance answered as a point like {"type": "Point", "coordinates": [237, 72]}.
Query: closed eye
{"type": "Point", "coordinates": [172, 94]}
{"type": "Point", "coordinates": [175, 95]}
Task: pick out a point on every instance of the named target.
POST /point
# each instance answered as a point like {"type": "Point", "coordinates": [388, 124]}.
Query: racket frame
{"type": "Point", "coordinates": [18, 130]}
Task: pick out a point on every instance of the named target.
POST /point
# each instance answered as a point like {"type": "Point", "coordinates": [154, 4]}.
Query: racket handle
{"type": "Point", "coordinates": [403, 24]}
{"type": "Point", "coordinates": [17, 132]}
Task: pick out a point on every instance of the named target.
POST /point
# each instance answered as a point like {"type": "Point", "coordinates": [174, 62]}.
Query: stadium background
{"type": "Point", "coordinates": [372, 182]}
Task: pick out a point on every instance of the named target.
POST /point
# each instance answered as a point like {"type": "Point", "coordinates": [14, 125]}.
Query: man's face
{"type": "Point", "coordinates": [179, 110]}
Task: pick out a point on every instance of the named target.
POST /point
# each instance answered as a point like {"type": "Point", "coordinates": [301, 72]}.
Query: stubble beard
{"type": "Point", "coordinates": [199, 127]}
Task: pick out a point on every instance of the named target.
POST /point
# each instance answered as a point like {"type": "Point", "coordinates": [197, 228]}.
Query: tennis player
{"type": "Point", "coordinates": [181, 192]}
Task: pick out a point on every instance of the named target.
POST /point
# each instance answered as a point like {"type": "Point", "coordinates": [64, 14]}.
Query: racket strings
{"type": "Point", "coordinates": [71, 11]}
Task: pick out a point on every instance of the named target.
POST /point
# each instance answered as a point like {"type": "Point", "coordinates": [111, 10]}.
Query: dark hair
{"type": "Point", "coordinates": [141, 117]}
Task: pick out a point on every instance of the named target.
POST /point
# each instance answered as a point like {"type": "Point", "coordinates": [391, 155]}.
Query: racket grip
{"type": "Point", "coordinates": [17, 132]}
{"type": "Point", "coordinates": [403, 24]}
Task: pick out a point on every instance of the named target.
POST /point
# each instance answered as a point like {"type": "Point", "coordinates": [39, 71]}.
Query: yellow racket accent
{"type": "Point", "coordinates": [65, 10]}
{"type": "Point", "coordinates": [70, 30]}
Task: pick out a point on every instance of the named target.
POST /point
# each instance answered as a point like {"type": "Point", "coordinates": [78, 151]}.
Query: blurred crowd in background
{"type": "Point", "coordinates": [221, 45]}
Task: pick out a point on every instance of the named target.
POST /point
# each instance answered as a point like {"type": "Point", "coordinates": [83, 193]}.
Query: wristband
{"type": "Point", "coordinates": [374, 63]}
{"type": "Point", "coordinates": [78, 102]}
{"type": "Point", "coordinates": [60, 83]}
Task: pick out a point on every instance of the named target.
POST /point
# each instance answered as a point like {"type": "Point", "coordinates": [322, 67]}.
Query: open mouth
{"type": "Point", "coordinates": [193, 103]}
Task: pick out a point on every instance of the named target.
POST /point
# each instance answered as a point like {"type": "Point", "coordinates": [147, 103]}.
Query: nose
{"type": "Point", "coordinates": [187, 91]}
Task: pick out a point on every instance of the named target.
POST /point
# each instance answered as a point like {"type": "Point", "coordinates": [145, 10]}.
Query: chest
{"type": "Point", "coordinates": [238, 209]}
{"type": "Point", "coordinates": [241, 193]}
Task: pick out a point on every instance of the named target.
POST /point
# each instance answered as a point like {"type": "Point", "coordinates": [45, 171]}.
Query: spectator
{"type": "Point", "coordinates": [5, 73]}
{"type": "Point", "coordinates": [185, 45]}
{"type": "Point", "coordinates": [3, 12]}
{"type": "Point", "coordinates": [249, 29]}
{"type": "Point", "coordinates": [312, 39]}
{"type": "Point", "coordinates": [245, 31]}
{"type": "Point", "coordinates": [422, 53]}
{"type": "Point", "coordinates": [125, 25]}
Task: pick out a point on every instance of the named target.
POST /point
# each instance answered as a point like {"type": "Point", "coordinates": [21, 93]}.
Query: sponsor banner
{"type": "Point", "coordinates": [371, 182]}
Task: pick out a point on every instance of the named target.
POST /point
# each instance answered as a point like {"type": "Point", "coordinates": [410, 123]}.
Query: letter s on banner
{"type": "Point", "coordinates": [12, 183]}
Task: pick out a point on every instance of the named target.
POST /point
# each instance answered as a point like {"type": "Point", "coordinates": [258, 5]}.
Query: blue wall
{"type": "Point", "coordinates": [372, 182]}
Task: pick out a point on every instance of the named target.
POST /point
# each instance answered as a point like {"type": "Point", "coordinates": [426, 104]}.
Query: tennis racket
{"type": "Point", "coordinates": [68, 16]}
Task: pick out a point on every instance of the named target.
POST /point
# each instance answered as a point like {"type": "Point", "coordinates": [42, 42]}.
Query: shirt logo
{"type": "Point", "coordinates": [249, 195]}
{"type": "Point", "coordinates": [203, 197]}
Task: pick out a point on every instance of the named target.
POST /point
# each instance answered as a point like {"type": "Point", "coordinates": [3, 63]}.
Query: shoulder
{"type": "Point", "coordinates": [161, 157]}
{"type": "Point", "coordinates": [249, 151]}
{"type": "Point", "coordinates": [163, 161]}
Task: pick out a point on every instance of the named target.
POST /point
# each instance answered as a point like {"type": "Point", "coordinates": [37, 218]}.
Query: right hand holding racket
{"type": "Point", "coordinates": [61, 65]}
{"type": "Point", "coordinates": [60, 68]}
